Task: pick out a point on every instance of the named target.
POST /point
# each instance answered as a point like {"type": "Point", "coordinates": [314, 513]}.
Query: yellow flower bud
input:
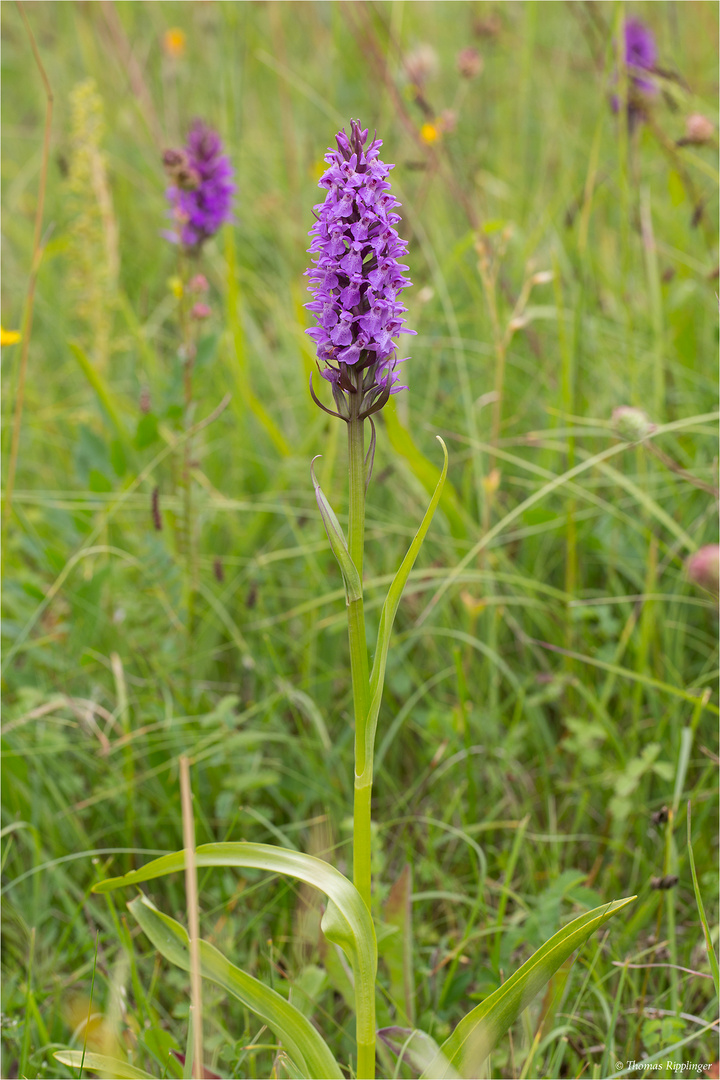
{"type": "Point", "coordinates": [174, 42]}
{"type": "Point", "coordinates": [9, 337]}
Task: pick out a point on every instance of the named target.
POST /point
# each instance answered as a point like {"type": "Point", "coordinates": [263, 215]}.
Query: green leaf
{"type": "Point", "coordinates": [146, 432]}
{"type": "Point", "coordinates": [297, 1034]}
{"type": "Point", "coordinates": [346, 921]}
{"type": "Point", "coordinates": [98, 481]}
{"type": "Point", "coordinates": [237, 354]}
{"type": "Point", "coordinates": [416, 1048]}
{"type": "Point", "coordinates": [102, 391]}
{"type": "Point", "coordinates": [396, 949]}
{"type": "Point", "coordinates": [309, 709]}
{"type": "Point", "coordinates": [402, 442]}
{"type": "Point", "coordinates": [338, 543]}
{"type": "Point", "coordinates": [477, 1033]}
{"type": "Point", "coordinates": [387, 618]}
{"type": "Point", "coordinates": [101, 1063]}
{"type": "Point", "coordinates": [712, 959]}
{"type": "Point", "coordinates": [118, 460]}
{"type": "Point", "coordinates": [676, 188]}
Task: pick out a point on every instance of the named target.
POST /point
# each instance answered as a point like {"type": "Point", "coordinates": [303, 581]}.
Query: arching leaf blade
{"type": "Point", "coordinates": [101, 1063]}
{"type": "Point", "coordinates": [347, 921]}
{"type": "Point", "coordinates": [299, 1037]}
{"type": "Point", "coordinates": [387, 617]}
{"type": "Point", "coordinates": [478, 1032]}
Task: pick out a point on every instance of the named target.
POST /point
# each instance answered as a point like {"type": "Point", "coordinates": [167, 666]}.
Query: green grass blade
{"type": "Point", "coordinates": [712, 959]}
{"type": "Point", "coordinates": [416, 1048]}
{"type": "Point", "coordinates": [338, 543]}
{"type": "Point", "coordinates": [537, 496]}
{"type": "Point", "coordinates": [302, 1041]}
{"type": "Point", "coordinates": [387, 616]}
{"type": "Point", "coordinates": [237, 354]}
{"type": "Point", "coordinates": [402, 442]}
{"type": "Point", "coordinates": [478, 1032]}
{"type": "Point", "coordinates": [101, 1063]}
{"type": "Point", "coordinates": [397, 949]}
{"type": "Point", "coordinates": [686, 741]}
{"type": "Point", "coordinates": [346, 921]}
{"type": "Point", "coordinates": [102, 391]}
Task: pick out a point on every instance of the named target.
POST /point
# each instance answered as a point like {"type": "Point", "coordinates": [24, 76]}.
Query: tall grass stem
{"type": "Point", "coordinates": [191, 892]}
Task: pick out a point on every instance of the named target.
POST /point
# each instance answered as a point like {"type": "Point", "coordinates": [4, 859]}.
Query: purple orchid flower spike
{"type": "Point", "coordinates": [357, 278]}
{"type": "Point", "coordinates": [202, 189]}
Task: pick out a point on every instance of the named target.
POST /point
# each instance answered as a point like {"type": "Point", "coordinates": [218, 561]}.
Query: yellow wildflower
{"type": "Point", "coordinates": [429, 133]}
{"type": "Point", "coordinates": [175, 286]}
{"type": "Point", "coordinates": [9, 337]}
{"type": "Point", "coordinates": [174, 42]}
{"type": "Point", "coordinates": [491, 482]}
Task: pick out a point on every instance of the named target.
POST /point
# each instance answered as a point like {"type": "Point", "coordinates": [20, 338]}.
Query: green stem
{"type": "Point", "coordinates": [359, 670]}
{"type": "Point", "coordinates": [188, 531]}
{"type": "Point", "coordinates": [359, 662]}
{"type": "Point", "coordinates": [366, 1060]}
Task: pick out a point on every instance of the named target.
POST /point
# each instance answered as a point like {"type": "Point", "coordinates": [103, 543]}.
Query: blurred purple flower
{"type": "Point", "coordinates": [640, 56]}
{"type": "Point", "coordinates": [202, 190]}
{"type": "Point", "coordinates": [357, 277]}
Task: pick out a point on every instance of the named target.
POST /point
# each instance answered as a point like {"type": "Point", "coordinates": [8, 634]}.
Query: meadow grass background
{"type": "Point", "coordinates": [519, 782]}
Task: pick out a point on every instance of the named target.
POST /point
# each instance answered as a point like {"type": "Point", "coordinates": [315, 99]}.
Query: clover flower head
{"type": "Point", "coordinates": [631, 424]}
{"type": "Point", "coordinates": [201, 193]}
{"type": "Point", "coordinates": [703, 567]}
{"type": "Point", "coordinates": [698, 129]}
{"type": "Point", "coordinates": [357, 277]}
{"type": "Point", "coordinates": [422, 65]}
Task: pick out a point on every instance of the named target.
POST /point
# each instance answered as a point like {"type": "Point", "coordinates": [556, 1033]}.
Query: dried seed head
{"type": "Point", "coordinates": [489, 27]}
{"type": "Point", "coordinates": [198, 284]}
{"type": "Point", "coordinates": [421, 65]}
{"type": "Point", "coordinates": [447, 121]}
{"type": "Point", "coordinates": [187, 179]}
{"type": "Point", "coordinates": [469, 63]}
{"type": "Point", "coordinates": [155, 509]}
{"type": "Point", "coordinates": [174, 159]}
{"type": "Point", "coordinates": [666, 882]}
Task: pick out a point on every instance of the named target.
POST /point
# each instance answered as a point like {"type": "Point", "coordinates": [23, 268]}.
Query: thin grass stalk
{"type": "Point", "coordinates": [25, 1050]}
{"type": "Point", "coordinates": [32, 280]}
{"type": "Point", "coordinates": [124, 718]}
{"type": "Point", "coordinates": [656, 309]}
{"type": "Point", "coordinates": [188, 530]}
{"type": "Point", "coordinates": [567, 353]}
{"type": "Point", "coordinates": [191, 891]}
{"type": "Point", "coordinates": [89, 547]}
